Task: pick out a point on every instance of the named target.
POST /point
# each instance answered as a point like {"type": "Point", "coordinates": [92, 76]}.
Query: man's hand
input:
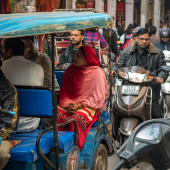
{"type": "Point", "coordinates": [159, 80]}
{"type": "Point", "coordinates": [113, 72]}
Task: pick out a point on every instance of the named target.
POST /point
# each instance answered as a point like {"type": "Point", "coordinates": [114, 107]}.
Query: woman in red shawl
{"type": "Point", "coordinates": [83, 92]}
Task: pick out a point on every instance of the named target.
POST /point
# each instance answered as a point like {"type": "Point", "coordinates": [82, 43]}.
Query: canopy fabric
{"type": "Point", "coordinates": [25, 24]}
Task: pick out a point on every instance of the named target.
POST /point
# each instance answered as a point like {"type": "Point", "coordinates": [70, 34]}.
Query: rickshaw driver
{"type": "Point", "coordinates": [76, 37]}
{"type": "Point", "coordinates": [8, 101]}
{"type": "Point", "coordinates": [21, 71]}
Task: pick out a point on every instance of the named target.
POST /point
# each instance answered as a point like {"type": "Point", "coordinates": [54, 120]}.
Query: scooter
{"type": "Point", "coordinates": [165, 88]}
{"type": "Point", "coordinates": [149, 142]}
{"type": "Point", "coordinates": [132, 100]}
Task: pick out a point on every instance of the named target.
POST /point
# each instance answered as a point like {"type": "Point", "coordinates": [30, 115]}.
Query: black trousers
{"type": "Point", "coordinates": [156, 111]}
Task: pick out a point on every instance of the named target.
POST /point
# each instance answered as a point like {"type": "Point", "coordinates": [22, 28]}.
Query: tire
{"type": "Point", "coordinates": [167, 101]}
{"type": "Point", "coordinates": [101, 158]}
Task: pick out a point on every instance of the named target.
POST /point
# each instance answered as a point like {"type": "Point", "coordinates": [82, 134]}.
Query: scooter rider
{"type": "Point", "coordinates": [164, 44]}
{"type": "Point", "coordinates": [144, 54]}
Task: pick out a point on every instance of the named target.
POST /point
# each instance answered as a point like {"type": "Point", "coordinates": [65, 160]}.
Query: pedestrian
{"type": "Point", "coordinates": [119, 29]}
{"type": "Point", "coordinates": [154, 38]}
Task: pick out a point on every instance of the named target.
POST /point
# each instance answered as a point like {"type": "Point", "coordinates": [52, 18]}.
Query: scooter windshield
{"type": "Point", "coordinates": [135, 74]}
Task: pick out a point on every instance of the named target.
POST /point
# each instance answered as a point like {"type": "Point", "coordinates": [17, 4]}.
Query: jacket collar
{"type": "Point", "coordinates": [151, 49]}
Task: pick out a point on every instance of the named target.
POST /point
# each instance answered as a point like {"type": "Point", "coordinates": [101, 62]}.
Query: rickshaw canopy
{"type": "Point", "coordinates": [27, 24]}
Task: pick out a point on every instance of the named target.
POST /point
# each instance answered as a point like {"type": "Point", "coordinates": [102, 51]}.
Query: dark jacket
{"type": "Point", "coordinates": [155, 59]}
{"type": "Point", "coordinates": [8, 101]}
{"type": "Point", "coordinates": [162, 46]}
{"type": "Point", "coordinates": [113, 40]}
{"type": "Point", "coordinates": [69, 53]}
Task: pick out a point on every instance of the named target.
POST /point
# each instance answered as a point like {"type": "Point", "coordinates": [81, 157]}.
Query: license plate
{"type": "Point", "coordinates": [130, 90]}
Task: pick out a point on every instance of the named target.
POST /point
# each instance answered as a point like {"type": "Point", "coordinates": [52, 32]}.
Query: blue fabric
{"type": "Point", "coordinates": [35, 102]}
{"type": "Point", "coordinates": [104, 116]}
{"type": "Point", "coordinates": [65, 139]}
{"type": "Point", "coordinates": [59, 76]}
{"type": "Point", "coordinates": [26, 24]}
{"type": "Point", "coordinates": [26, 150]}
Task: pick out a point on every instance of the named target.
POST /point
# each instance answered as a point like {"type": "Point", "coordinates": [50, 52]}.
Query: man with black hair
{"type": "Point", "coordinates": [144, 54]}
{"type": "Point", "coordinates": [21, 71]}
{"type": "Point", "coordinates": [148, 26]}
{"type": "Point", "coordinates": [154, 38]}
{"type": "Point", "coordinates": [8, 101]}
{"type": "Point", "coordinates": [40, 58]}
{"type": "Point", "coordinates": [76, 37]}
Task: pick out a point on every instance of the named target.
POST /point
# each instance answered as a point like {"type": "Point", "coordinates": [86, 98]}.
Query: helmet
{"type": "Point", "coordinates": [165, 32]}
{"type": "Point", "coordinates": [135, 32]}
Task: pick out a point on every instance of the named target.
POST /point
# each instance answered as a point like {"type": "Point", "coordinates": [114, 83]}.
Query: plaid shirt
{"type": "Point", "coordinates": [141, 58]}
{"type": "Point", "coordinates": [94, 36]}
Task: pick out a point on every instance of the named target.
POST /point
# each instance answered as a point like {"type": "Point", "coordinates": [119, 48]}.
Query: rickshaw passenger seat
{"type": "Point", "coordinates": [38, 103]}
{"type": "Point", "coordinates": [59, 76]}
{"type": "Point", "coordinates": [35, 102]}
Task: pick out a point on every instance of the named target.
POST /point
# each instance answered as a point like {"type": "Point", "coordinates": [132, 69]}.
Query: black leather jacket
{"type": "Point", "coordinates": [8, 101]}
{"type": "Point", "coordinates": [155, 59]}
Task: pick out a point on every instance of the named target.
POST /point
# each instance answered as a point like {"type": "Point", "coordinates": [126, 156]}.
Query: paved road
{"type": "Point", "coordinates": [112, 160]}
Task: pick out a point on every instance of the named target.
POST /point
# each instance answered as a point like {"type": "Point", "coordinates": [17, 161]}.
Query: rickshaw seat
{"type": "Point", "coordinates": [26, 150]}
{"type": "Point", "coordinates": [104, 116]}
{"type": "Point", "coordinates": [35, 102]}
{"type": "Point", "coordinates": [65, 138]}
{"type": "Point", "coordinates": [59, 76]}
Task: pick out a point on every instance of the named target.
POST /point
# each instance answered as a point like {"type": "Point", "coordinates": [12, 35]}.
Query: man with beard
{"type": "Point", "coordinates": [144, 54]}
{"type": "Point", "coordinates": [40, 58]}
{"type": "Point", "coordinates": [43, 60]}
{"type": "Point", "coordinates": [77, 37]}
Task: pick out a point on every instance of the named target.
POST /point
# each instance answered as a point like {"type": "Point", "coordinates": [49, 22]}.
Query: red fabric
{"type": "Point", "coordinates": [91, 57]}
{"type": "Point", "coordinates": [84, 124]}
{"type": "Point", "coordinates": [84, 84]}
{"type": "Point", "coordinates": [126, 44]}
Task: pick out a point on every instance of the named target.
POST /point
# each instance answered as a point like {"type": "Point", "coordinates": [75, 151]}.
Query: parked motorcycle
{"type": "Point", "coordinates": [148, 142]}
{"type": "Point", "coordinates": [165, 88]}
{"type": "Point", "coordinates": [132, 101]}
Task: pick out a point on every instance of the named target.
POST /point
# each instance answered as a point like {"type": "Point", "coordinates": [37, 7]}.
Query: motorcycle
{"type": "Point", "coordinates": [165, 88]}
{"type": "Point", "coordinates": [132, 101]}
{"type": "Point", "coordinates": [148, 142]}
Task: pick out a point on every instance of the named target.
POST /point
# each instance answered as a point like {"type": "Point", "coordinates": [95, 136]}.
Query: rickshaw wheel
{"type": "Point", "coordinates": [101, 158]}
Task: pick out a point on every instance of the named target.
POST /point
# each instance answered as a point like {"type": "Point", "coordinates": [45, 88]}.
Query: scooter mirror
{"type": "Point", "coordinates": [166, 68]}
